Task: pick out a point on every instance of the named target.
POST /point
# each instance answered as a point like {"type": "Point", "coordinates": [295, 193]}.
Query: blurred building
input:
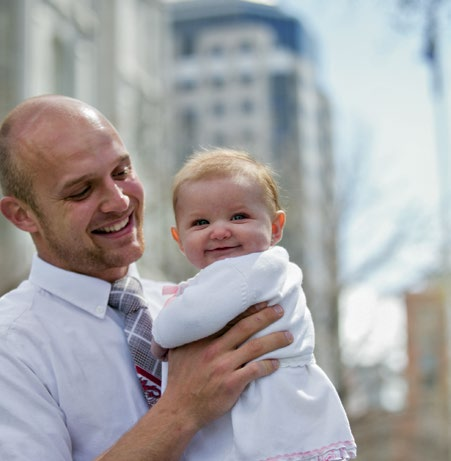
{"type": "Point", "coordinates": [418, 430]}
{"type": "Point", "coordinates": [244, 76]}
{"type": "Point", "coordinates": [109, 53]}
{"type": "Point", "coordinates": [424, 423]}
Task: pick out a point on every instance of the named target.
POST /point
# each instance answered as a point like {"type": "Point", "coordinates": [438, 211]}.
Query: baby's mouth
{"type": "Point", "coordinates": [222, 249]}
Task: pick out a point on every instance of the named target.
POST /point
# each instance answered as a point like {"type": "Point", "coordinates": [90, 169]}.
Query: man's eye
{"type": "Point", "coordinates": [122, 173]}
{"type": "Point", "coordinates": [200, 222]}
{"type": "Point", "coordinates": [80, 195]}
{"type": "Point", "coordinates": [238, 217]}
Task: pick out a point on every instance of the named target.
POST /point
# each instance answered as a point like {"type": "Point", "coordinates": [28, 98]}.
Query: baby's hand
{"type": "Point", "coordinates": [160, 353]}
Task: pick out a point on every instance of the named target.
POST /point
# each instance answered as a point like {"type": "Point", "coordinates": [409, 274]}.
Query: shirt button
{"type": "Point", "coordinates": [100, 310]}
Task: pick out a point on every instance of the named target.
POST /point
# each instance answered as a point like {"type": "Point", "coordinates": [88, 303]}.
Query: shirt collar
{"type": "Point", "coordinates": [88, 293]}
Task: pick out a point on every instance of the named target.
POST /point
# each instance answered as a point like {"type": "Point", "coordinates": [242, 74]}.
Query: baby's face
{"type": "Point", "coordinates": [220, 218]}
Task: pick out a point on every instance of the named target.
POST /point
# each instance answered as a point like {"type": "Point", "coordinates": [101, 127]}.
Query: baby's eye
{"type": "Point", "coordinates": [200, 222]}
{"type": "Point", "coordinates": [239, 216]}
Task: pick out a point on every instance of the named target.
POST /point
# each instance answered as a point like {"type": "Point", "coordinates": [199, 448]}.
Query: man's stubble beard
{"type": "Point", "coordinates": [91, 260]}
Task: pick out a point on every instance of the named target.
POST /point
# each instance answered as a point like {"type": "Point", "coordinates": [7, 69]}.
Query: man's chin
{"type": "Point", "coordinates": [127, 257]}
{"type": "Point", "coordinates": [116, 258]}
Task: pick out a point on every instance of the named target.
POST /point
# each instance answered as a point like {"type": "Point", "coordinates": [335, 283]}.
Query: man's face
{"type": "Point", "coordinates": [90, 201]}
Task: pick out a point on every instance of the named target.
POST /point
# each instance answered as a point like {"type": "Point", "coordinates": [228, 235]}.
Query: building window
{"type": "Point", "coordinates": [217, 50]}
{"type": "Point", "coordinates": [248, 137]}
{"type": "Point", "coordinates": [247, 106]}
{"type": "Point", "coordinates": [64, 67]}
{"type": "Point", "coordinates": [218, 109]}
{"type": "Point", "coordinates": [219, 139]}
{"type": "Point", "coordinates": [188, 123]}
{"type": "Point", "coordinates": [186, 85]}
{"type": "Point", "coordinates": [246, 46]}
{"type": "Point", "coordinates": [217, 81]}
{"type": "Point", "coordinates": [246, 79]}
{"type": "Point", "coordinates": [186, 46]}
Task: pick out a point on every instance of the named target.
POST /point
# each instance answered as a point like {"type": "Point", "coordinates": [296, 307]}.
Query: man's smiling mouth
{"type": "Point", "coordinates": [114, 228]}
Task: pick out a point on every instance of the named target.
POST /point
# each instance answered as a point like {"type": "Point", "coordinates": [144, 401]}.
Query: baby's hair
{"type": "Point", "coordinates": [220, 163]}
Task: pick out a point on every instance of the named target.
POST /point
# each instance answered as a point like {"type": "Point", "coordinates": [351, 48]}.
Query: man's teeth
{"type": "Point", "coordinates": [116, 227]}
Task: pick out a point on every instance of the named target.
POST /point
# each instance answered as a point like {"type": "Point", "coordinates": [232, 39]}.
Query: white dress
{"type": "Point", "coordinates": [294, 414]}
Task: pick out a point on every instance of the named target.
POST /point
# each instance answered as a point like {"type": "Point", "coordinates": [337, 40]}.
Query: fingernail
{"type": "Point", "coordinates": [289, 336]}
{"type": "Point", "coordinates": [260, 306]}
{"type": "Point", "coordinates": [278, 309]}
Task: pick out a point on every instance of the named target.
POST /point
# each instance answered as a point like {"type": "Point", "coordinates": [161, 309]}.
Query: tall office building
{"type": "Point", "coordinates": [244, 76]}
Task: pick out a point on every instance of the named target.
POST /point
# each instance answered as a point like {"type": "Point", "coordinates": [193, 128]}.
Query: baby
{"type": "Point", "coordinates": [228, 222]}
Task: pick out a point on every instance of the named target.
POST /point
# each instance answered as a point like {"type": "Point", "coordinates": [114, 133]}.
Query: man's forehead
{"type": "Point", "coordinates": [39, 111]}
{"type": "Point", "coordinates": [45, 128]}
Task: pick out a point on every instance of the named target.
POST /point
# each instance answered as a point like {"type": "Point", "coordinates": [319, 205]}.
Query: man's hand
{"type": "Point", "coordinates": [208, 376]}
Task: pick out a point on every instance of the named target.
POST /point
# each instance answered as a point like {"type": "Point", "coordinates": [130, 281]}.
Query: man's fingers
{"type": "Point", "coordinates": [255, 308]}
{"type": "Point", "coordinates": [245, 350]}
{"type": "Point", "coordinates": [255, 370]}
{"type": "Point", "coordinates": [249, 311]}
{"type": "Point", "coordinates": [258, 347]}
{"type": "Point", "coordinates": [251, 325]}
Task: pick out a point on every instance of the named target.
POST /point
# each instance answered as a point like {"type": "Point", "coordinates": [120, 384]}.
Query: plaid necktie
{"type": "Point", "coordinates": [127, 296]}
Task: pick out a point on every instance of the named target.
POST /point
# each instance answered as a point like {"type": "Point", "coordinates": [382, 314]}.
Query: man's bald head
{"type": "Point", "coordinates": [29, 131]}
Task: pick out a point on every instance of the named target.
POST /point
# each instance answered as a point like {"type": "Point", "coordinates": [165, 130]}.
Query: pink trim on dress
{"type": "Point", "coordinates": [339, 451]}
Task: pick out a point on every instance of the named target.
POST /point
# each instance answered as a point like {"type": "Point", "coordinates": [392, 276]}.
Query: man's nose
{"type": "Point", "coordinates": [114, 199]}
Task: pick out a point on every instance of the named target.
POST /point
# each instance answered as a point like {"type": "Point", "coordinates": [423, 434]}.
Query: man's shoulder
{"type": "Point", "coordinates": [15, 304]}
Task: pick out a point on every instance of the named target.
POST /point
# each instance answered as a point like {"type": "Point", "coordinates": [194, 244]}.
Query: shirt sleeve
{"type": "Point", "coordinates": [32, 426]}
{"type": "Point", "coordinates": [218, 294]}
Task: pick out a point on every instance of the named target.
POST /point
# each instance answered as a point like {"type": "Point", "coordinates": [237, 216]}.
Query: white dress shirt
{"type": "Point", "coordinates": [68, 388]}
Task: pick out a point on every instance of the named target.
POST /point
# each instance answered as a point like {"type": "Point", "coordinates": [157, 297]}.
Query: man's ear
{"type": "Point", "coordinates": [277, 227]}
{"type": "Point", "coordinates": [19, 214]}
{"type": "Point", "coordinates": [176, 237]}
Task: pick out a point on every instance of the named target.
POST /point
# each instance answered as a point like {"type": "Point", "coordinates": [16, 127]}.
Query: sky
{"type": "Point", "coordinates": [380, 85]}
{"type": "Point", "coordinates": [376, 77]}
{"type": "Point", "coordinates": [380, 88]}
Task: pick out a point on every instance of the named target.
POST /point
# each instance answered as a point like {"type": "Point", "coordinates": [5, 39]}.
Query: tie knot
{"type": "Point", "coordinates": [127, 295]}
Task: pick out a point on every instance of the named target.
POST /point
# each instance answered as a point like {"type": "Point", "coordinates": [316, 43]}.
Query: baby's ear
{"type": "Point", "coordinates": [278, 224]}
{"type": "Point", "coordinates": [20, 214]}
{"type": "Point", "coordinates": [176, 237]}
